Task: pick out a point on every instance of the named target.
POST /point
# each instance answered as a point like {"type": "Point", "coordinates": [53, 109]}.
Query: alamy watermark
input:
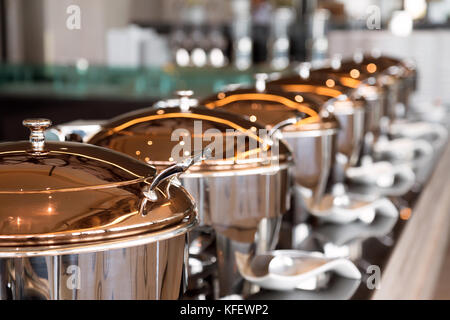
{"type": "Point", "coordinates": [73, 21]}
{"type": "Point", "coordinates": [74, 280]}
{"type": "Point", "coordinates": [373, 17]}
{"type": "Point", "coordinates": [236, 145]}
{"type": "Point", "coordinates": [374, 279]}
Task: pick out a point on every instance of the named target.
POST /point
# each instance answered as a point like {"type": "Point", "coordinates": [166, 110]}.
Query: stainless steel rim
{"type": "Point", "coordinates": [125, 242]}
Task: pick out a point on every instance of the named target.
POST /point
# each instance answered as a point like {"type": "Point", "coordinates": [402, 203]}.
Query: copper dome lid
{"type": "Point", "coordinates": [272, 106]}
{"type": "Point", "coordinates": [324, 83]}
{"type": "Point", "coordinates": [61, 196]}
{"type": "Point", "coordinates": [329, 82]}
{"type": "Point", "coordinates": [173, 129]}
{"type": "Point", "coordinates": [368, 69]}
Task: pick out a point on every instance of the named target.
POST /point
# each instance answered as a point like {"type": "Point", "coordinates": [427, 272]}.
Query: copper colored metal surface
{"type": "Point", "coordinates": [77, 221]}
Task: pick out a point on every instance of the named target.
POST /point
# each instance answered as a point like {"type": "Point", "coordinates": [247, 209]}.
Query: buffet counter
{"type": "Point", "coordinates": [351, 205]}
{"type": "Point", "coordinates": [414, 266]}
{"type": "Point", "coordinates": [409, 257]}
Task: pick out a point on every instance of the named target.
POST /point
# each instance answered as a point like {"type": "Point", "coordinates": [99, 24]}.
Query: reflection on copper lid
{"type": "Point", "coordinates": [354, 73]}
{"type": "Point", "coordinates": [371, 67]}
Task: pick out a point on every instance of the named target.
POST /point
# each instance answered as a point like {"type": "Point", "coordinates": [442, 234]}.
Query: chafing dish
{"type": "Point", "coordinates": [307, 126]}
{"type": "Point", "coordinates": [367, 90]}
{"type": "Point", "coordinates": [397, 77]}
{"type": "Point", "coordinates": [349, 111]}
{"type": "Point", "coordinates": [319, 147]}
{"type": "Point", "coordinates": [241, 193]}
{"type": "Point", "coordinates": [83, 222]}
{"type": "Point", "coordinates": [405, 70]}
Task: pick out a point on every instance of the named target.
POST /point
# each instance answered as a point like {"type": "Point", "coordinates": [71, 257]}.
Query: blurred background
{"type": "Point", "coordinates": [75, 59]}
{"type": "Point", "coordinates": [95, 59]}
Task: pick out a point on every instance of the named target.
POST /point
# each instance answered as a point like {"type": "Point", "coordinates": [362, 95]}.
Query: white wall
{"type": "Point", "coordinates": [38, 34]}
{"type": "Point", "coordinates": [62, 45]}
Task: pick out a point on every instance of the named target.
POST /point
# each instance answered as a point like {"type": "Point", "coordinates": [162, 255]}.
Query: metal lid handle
{"type": "Point", "coordinates": [304, 70]}
{"type": "Point", "coordinates": [180, 167]}
{"type": "Point", "coordinates": [260, 83]}
{"type": "Point", "coordinates": [37, 128]}
{"type": "Point", "coordinates": [283, 124]}
{"type": "Point", "coordinates": [336, 61]}
{"type": "Point", "coordinates": [358, 56]}
{"type": "Point", "coordinates": [168, 173]}
{"type": "Point", "coordinates": [185, 99]}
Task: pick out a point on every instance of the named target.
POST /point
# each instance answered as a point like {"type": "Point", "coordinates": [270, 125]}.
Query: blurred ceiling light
{"type": "Point", "coordinates": [321, 44]}
{"type": "Point", "coordinates": [358, 56]}
{"type": "Point", "coordinates": [401, 23]}
{"type": "Point", "coordinates": [304, 70]}
{"type": "Point", "coordinates": [199, 57]}
{"type": "Point", "coordinates": [375, 52]}
{"type": "Point", "coordinates": [182, 57]}
{"type": "Point", "coordinates": [82, 65]}
{"type": "Point", "coordinates": [280, 63]}
{"type": "Point", "coordinates": [416, 8]}
{"type": "Point", "coordinates": [281, 44]}
{"type": "Point", "coordinates": [216, 58]}
{"type": "Point", "coordinates": [336, 61]}
{"type": "Point", "coordinates": [245, 44]}
{"type": "Point", "coordinates": [243, 59]}
{"type": "Point", "coordinates": [243, 63]}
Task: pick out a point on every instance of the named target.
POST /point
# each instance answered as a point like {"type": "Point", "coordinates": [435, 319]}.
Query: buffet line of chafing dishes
{"type": "Point", "coordinates": [107, 212]}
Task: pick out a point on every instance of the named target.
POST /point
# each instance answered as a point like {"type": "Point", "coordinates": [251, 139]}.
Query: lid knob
{"type": "Point", "coordinates": [37, 137]}
{"type": "Point", "coordinates": [375, 53]}
{"type": "Point", "coordinates": [358, 56]}
{"type": "Point", "coordinates": [336, 61]}
{"type": "Point", "coordinates": [185, 99]}
{"type": "Point", "coordinates": [260, 83]}
{"type": "Point", "coordinates": [304, 70]}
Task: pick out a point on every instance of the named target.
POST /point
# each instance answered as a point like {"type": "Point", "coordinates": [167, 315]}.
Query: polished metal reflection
{"type": "Point", "coordinates": [76, 223]}
{"type": "Point", "coordinates": [314, 156]}
{"type": "Point", "coordinates": [230, 249]}
{"type": "Point", "coordinates": [351, 137]}
{"type": "Point", "coordinates": [312, 139]}
{"type": "Point", "coordinates": [245, 222]}
{"type": "Point", "coordinates": [151, 271]}
{"type": "Point", "coordinates": [238, 200]}
{"type": "Point", "coordinates": [75, 193]}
